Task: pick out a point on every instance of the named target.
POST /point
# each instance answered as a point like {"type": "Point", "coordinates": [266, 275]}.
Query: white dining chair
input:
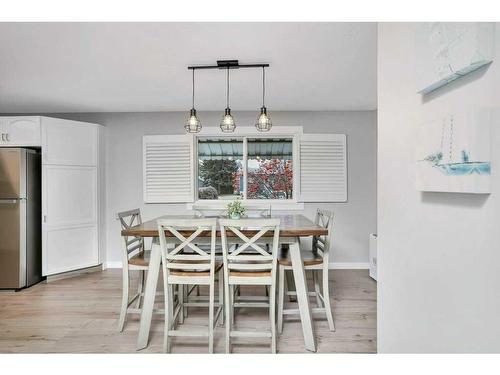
{"type": "Point", "coordinates": [315, 260]}
{"type": "Point", "coordinates": [252, 210]}
{"type": "Point", "coordinates": [249, 264]}
{"type": "Point", "coordinates": [185, 263]}
{"type": "Point", "coordinates": [134, 258]}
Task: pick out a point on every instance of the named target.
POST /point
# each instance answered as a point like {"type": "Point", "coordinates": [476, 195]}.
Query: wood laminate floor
{"type": "Point", "coordinates": [80, 314]}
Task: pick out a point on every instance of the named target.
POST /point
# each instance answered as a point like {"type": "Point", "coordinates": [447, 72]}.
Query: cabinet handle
{"type": "Point", "coordinates": [44, 218]}
{"type": "Point", "coordinates": [3, 137]}
{"type": "Point", "coordinates": [7, 137]}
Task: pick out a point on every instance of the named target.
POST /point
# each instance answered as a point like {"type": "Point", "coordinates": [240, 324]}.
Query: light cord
{"type": "Point", "coordinates": [193, 89]}
{"type": "Point", "coordinates": [227, 91]}
{"type": "Point", "coordinates": [263, 86]}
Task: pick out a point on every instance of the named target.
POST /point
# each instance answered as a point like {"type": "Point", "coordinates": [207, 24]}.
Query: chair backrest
{"type": "Point", "coordinates": [262, 210]}
{"type": "Point", "coordinates": [133, 245]}
{"type": "Point", "coordinates": [250, 255]}
{"type": "Point", "coordinates": [323, 244]}
{"type": "Point", "coordinates": [207, 210]}
{"type": "Point", "coordinates": [185, 254]}
{"type": "Point", "coordinates": [202, 210]}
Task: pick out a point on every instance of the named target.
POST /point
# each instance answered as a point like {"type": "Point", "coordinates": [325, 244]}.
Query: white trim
{"type": "Point", "coordinates": [333, 266]}
{"type": "Point", "coordinates": [349, 266]}
{"type": "Point", "coordinates": [293, 132]}
{"type": "Point", "coordinates": [112, 264]}
{"type": "Point", "coordinates": [242, 131]}
{"type": "Point", "coordinates": [275, 204]}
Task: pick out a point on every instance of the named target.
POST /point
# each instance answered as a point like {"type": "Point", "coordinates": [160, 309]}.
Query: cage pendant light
{"type": "Point", "coordinates": [193, 123]}
{"type": "Point", "coordinates": [264, 122]}
{"type": "Point", "coordinates": [227, 124]}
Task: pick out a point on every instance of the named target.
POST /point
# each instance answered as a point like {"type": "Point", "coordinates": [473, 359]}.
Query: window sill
{"type": "Point", "coordinates": [275, 205]}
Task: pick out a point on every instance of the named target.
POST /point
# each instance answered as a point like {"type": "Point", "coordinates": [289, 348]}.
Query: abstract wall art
{"type": "Point", "coordinates": [453, 153]}
{"type": "Point", "coordinates": [447, 51]}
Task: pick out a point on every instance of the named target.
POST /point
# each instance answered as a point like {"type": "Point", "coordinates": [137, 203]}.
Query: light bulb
{"type": "Point", "coordinates": [193, 124]}
{"type": "Point", "coordinates": [228, 124]}
{"type": "Point", "coordinates": [264, 122]}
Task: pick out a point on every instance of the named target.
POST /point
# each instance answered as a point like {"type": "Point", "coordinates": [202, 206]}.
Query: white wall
{"type": "Point", "coordinates": [354, 219]}
{"type": "Point", "coordinates": [439, 253]}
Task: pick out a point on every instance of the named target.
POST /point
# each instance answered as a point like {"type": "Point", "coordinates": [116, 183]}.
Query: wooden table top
{"type": "Point", "coordinates": [291, 226]}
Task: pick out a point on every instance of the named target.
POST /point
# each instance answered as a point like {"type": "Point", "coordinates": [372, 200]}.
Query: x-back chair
{"type": "Point", "coordinates": [134, 258]}
{"type": "Point", "coordinates": [185, 263]}
{"type": "Point", "coordinates": [249, 264]}
{"type": "Point", "coordinates": [315, 260]}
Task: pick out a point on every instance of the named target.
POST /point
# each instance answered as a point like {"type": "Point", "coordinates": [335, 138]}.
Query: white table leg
{"type": "Point", "coordinates": [302, 296]}
{"type": "Point", "coordinates": [149, 297]}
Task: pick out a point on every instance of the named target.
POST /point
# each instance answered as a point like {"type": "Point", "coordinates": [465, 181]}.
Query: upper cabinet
{"type": "Point", "coordinates": [20, 131]}
{"type": "Point", "coordinates": [69, 142]}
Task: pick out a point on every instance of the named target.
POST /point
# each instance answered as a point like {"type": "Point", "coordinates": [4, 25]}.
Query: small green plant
{"type": "Point", "coordinates": [235, 209]}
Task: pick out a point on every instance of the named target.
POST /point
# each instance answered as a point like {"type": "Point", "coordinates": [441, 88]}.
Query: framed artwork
{"type": "Point", "coordinates": [453, 154]}
{"type": "Point", "coordinates": [447, 51]}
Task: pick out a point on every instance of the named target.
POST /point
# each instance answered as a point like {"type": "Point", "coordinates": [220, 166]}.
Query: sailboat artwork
{"type": "Point", "coordinates": [457, 159]}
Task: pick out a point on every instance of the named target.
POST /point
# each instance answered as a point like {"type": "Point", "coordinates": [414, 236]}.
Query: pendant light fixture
{"type": "Point", "coordinates": [264, 122]}
{"type": "Point", "coordinates": [193, 124]}
{"type": "Point", "coordinates": [227, 124]}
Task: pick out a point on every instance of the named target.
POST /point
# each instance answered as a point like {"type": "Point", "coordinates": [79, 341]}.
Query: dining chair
{"type": "Point", "coordinates": [185, 263]}
{"type": "Point", "coordinates": [134, 258]}
{"type": "Point", "coordinates": [315, 260]}
{"type": "Point", "coordinates": [254, 211]}
{"type": "Point", "coordinates": [249, 264]}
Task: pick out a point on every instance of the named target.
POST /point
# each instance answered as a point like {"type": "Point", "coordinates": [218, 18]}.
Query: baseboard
{"type": "Point", "coordinates": [115, 264]}
{"type": "Point", "coordinates": [65, 275]}
{"type": "Point", "coordinates": [349, 266]}
{"type": "Point", "coordinates": [333, 266]}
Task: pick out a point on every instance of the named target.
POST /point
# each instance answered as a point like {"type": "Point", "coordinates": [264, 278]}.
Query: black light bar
{"type": "Point", "coordinates": [225, 64]}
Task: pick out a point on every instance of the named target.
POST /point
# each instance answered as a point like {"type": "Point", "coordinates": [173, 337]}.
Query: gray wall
{"type": "Point", "coordinates": [354, 219]}
{"type": "Point", "coordinates": [438, 253]}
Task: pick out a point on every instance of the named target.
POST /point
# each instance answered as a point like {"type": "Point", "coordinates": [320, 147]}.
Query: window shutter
{"type": "Point", "coordinates": [168, 169]}
{"type": "Point", "coordinates": [323, 168]}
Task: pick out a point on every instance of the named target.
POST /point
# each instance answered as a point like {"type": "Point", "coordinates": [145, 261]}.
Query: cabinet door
{"type": "Point", "coordinates": [21, 131]}
{"type": "Point", "coordinates": [70, 222]}
{"type": "Point", "coordinates": [69, 142]}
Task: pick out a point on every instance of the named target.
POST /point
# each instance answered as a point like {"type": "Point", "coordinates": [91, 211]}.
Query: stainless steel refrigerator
{"type": "Point", "coordinates": [20, 218]}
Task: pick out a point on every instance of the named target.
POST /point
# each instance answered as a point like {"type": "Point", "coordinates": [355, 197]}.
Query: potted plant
{"type": "Point", "coordinates": [235, 209]}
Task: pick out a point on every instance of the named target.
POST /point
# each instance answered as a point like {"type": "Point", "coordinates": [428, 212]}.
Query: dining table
{"type": "Point", "coordinates": [292, 228]}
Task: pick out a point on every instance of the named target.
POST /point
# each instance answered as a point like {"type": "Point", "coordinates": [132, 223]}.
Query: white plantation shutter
{"type": "Point", "coordinates": [323, 168]}
{"type": "Point", "coordinates": [168, 169]}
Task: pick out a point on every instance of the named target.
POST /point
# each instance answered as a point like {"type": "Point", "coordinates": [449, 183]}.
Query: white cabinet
{"type": "Point", "coordinates": [69, 142]}
{"type": "Point", "coordinates": [70, 235]}
{"type": "Point", "coordinates": [20, 131]}
{"type": "Point", "coordinates": [71, 187]}
{"type": "Point", "coordinates": [70, 195]}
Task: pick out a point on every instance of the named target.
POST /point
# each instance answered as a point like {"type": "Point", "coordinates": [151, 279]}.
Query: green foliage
{"type": "Point", "coordinates": [218, 174]}
{"type": "Point", "coordinates": [235, 207]}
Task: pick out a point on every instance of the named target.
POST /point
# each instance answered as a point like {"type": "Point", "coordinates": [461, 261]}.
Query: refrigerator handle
{"type": "Point", "coordinates": [9, 201]}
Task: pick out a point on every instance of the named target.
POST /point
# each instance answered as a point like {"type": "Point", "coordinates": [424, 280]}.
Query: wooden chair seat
{"type": "Point", "coordinates": [250, 273]}
{"type": "Point", "coordinates": [309, 258]}
{"type": "Point", "coordinates": [140, 259]}
{"type": "Point", "coordinates": [218, 266]}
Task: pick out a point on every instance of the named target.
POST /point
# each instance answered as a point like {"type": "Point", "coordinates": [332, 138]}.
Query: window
{"type": "Point", "coordinates": [286, 168]}
{"type": "Point", "coordinates": [220, 168]}
{"type": "Point", "coordinates": [250, 168]}
{"type": "Point", "coordinates": [269, 169]}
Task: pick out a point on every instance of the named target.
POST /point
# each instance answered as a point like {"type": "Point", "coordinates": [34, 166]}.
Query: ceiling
{"type": "Point", "coordinates": [141, 67]}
